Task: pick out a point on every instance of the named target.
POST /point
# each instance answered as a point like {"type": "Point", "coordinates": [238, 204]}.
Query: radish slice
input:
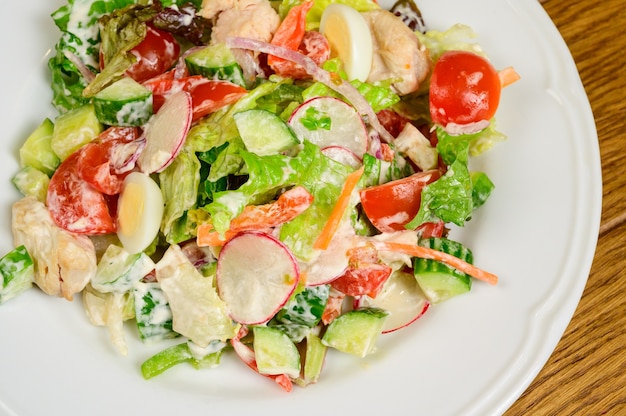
{"type": "Point", "coordinates": [342, 155]}
{"type": "Point", "coordinates": [166, 132]}
{"type": "Point", "coordinates": [256, 275]}
{"type": "Point", "coordinates": [328, 121]}
{"type": "Point", "coordinates": [402, 297]}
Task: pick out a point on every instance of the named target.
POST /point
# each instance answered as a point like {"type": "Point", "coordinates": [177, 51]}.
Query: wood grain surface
{"type": "Point", "coordinates": [586, 374]}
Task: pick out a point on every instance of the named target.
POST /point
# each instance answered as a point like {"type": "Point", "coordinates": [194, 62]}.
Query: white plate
{"type": "Point", "coordinates": [473, 355]}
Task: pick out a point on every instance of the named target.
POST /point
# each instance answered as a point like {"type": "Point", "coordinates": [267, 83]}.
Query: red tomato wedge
{"type": "Point", "coordinates": [156, 54]}
{"type": "Point", "coordinates": [464, 89]}
{"type": "Point", "coordinates": [393, 204]}
{"type": "Point", "coordinates": [74, 205]}
{"type": "Point", "coordinates": [210, 96]}
{"type": "Point", "coordinates": [94, 160]}
{"type": "Point", "coordinates": [207, 95]}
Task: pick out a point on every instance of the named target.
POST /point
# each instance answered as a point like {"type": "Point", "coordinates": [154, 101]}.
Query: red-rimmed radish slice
{"type": "Point", "coordinates": [166, 132]}
{"type": "Point", "coordinates": [342, 155]}
{"type": "Point", "coordinates": [256, 275]}
{"type": "Point", "coordinates": [328, 121]}
{"type": "Point", "coordinates": [402, 297]}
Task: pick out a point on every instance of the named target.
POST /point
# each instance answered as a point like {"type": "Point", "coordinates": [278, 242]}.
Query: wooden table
{"type": "Point", "coordinates": [586, 374]}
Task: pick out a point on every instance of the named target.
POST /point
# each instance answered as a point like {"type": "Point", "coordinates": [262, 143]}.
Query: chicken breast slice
{"type": "Point", "coordinates": [254, 19]}
{"type": "Point", "coordinates": [64, 262]}
{"type": "Point", "coordinates": [398, 54]}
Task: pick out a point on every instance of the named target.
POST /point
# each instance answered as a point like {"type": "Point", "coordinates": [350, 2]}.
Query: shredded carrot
{"type": "Point", "coordinates": [323, 240]}
{"type": "Point", "coordinates": [508, 76]}
{"type": "Point", "coordinates": [429, 253]}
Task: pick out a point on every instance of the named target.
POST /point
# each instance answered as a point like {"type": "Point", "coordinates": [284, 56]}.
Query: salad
{"type": "Point", "coordinates": [263, 180]}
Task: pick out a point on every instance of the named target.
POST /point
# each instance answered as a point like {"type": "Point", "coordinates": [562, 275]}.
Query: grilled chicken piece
{"type": "Point", "coordinates": [254, 19]}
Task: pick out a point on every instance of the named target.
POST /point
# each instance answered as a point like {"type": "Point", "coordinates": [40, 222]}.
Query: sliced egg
{"type": "Point", "coordinates": [350, 39]}
{"type": "Point", "coordinates": [139, 212]}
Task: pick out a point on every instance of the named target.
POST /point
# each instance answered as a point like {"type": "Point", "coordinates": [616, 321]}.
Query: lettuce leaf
{"type": "Point", "coordinates": [455, 195]}
{"type": "Point", "coordinates": [80, 36]}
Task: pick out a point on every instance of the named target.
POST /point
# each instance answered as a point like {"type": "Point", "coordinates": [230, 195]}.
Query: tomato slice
{"type": "Point", "coordinates": [94, 160]}
{"type": "Point", "coordinates": [156, 54]}
{"type": "Point", "coordinates": [464, 89]}
{"type": "Point", "coordinates": [74, 205]}
{"type": "Point", "coordinates": [207, 97]}
{"type": "Point", "coordinates": [393, 204]}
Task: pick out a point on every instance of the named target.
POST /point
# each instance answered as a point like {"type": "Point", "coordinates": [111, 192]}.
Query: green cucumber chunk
{"type": "Point", "coordinates": [124, 103]}
{"type": "Point", "coordinates": [17, 273]}
{"type": "Point", "coordinates": [215, 62]}
{"type": "Point", "coordinates": [356, 332]}
{"type": "Point", "coordinates": [302, 312]}
{"type": "Point", "coordinates": [37, 149]}
{"type": "Point", "coordinates": [32, 182]}
{"type": "Point", "coordinates": [437, 280]}
{"type": "Point", "coordinates": [153, 314]}
{"type": "Point", "coordinates": [275, 353]}
{"type": "Point", "coordinates": [315, 353]}
{"type": "Point", "coordinates": [264, 132]}
{"type": "Point", "coordinates": [74, 129]}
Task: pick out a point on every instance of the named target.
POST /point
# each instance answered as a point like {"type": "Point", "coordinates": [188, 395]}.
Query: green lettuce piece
{"type": "Point", "coordinates": [80, 36]}
{"type": "Point", "coordinates": [266, 175]}
{"type": "Point", "coordinates": [179, 185]}
{"type": "Point", "coordinates": [455, 195]}
{"type": "Point", "coordinates": [120, 32]}
{"type": "Point", "coordinates": [458, 37]}
{"type": "Point", "coordinates": [324, 179]}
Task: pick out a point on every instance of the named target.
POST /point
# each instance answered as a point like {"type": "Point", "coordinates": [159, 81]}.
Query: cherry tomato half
{"type": "Point", "coordinates": [464, 89]}
{"type": "Point", "coordinates": [74, 205]}
{"type": "Point", "coordinates": [155, 54]}
{"type": "Point", "coordinates": [393, 204]}
{"type": "Point", "coordinates": [94, 164]}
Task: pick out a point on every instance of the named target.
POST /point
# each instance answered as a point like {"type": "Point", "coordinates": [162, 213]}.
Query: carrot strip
{"type": "Point", "coordinates": [323, 240]}
{"type": "Point", "coordinates": [429, 253]}
{"type": "Point", "coordinates": [508, 76]}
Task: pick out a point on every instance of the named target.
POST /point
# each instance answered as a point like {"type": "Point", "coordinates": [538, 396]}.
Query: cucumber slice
{"type": "Point", "coordinates": [215, 62]}
{"type": "Point", "coordinates": [275, 353]}
{"type": "Point", "coordinates": [32, 182]}
{"type": "Point", "coordinates": [356, 332]}
{"type": "Point", "coordinates": [263, 132]}
{"type": "Point", "coordinates": [439, 281]}
{"type": "Point", "coordinates": [124, 103]}
{"type": "Point", "coordinates": [74, 129]}
{"type": "Point", "coordinates": [17, 273]}
{"type": "Point", "coordinates": [37, 150]}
